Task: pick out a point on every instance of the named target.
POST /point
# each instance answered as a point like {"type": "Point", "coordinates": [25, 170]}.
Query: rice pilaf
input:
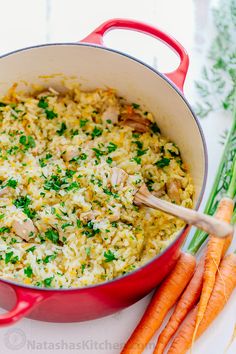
{"type": "Point", "coordinates": [70, 165]}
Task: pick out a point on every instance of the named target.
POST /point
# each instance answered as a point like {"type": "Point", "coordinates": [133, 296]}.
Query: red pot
{"type": "Point", "coordinates": [97, 66]}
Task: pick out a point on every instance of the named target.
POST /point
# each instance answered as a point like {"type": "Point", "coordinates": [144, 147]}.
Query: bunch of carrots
{"type": "Point", "coordinates": [199, 292]}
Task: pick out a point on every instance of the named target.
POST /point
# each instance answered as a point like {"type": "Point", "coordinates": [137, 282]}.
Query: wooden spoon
{"type": "Point", "coordinates": [192, 217]}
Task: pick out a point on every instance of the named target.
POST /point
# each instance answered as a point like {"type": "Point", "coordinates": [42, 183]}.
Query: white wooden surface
{"type": "Point", "coordinates": [26, 22]}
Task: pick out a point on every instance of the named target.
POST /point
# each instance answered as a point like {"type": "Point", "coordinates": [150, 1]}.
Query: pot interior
{"type": "Point", "coordinates": [95, 67]}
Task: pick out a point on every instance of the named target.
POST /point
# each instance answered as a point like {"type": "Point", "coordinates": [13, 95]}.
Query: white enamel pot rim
{"type": "Point", "coordinates": [177, 91]}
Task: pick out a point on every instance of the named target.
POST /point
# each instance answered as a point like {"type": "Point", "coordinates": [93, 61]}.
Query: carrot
{"type": "Point", "coordinates": [215, 249]}
{"type": "Point", "coordinates": [227, 243]}
{"type": "Point", "coordinates": [174, 285]}
{"type": "Point", "coordinates": [187, 301]}
{"type": "Point", "coordinates": [130, 110]}
{"type": "Point", "coordinates": [164, 298]}
{"type": "Point", "coordinates": [224, 286]}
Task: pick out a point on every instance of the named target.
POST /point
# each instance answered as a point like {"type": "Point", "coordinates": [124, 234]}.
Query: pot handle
{"type": "Point", "coordinates": [177, 76]}
{"type": "Point", "coordinates": [25, 302]}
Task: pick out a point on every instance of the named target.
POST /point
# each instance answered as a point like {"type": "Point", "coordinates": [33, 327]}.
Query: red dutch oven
{"type": "Point", "coordinates": [94, 66]}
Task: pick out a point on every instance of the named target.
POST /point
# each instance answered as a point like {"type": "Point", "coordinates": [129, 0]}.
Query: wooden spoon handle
{"type": "Point", "coordinates": [192, 217]}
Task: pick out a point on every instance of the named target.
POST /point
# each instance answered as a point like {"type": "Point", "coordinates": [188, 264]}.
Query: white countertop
{"type": "Point", "coordinates": [28, 22]}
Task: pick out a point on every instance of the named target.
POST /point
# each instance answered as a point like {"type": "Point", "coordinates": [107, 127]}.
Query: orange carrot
{"type": "Point", "coordinates": [227, 243]}
{"type": "Point", "coordinates": [164, 298]}
{"type": "Point", "coordinates": [187, 301]}
{"type": "Point", "coordinates": [224, 286]}
{"type": "Point", "coordinates": [214, 253]}
{"type": "Point", "coordinates": [130, 110]}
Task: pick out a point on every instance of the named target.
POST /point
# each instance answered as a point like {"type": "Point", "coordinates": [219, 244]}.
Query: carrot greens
{"type": "Point", "coordinates": [218, 84]}
{"type": "Point", "coordinates": [217, 90]}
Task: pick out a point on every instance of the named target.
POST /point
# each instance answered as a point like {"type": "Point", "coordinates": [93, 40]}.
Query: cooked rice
{"type": "Point", "coordinates": [57, 158]}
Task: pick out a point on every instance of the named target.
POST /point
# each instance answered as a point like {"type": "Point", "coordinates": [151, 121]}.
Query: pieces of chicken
{"type": "Point", "coordinates": [159, 193]}
{"type": "Point", "coordinates": [4, 191]}
{"type": "Point", "coordinates": [137, 122]}
{"type": "Point", "coordinates": [173, 189]}
{"type": "Point", "coordinates": [115, 215]}
{"type": "Point", "coordinates": [118, 176]}
{"type": "Point", "coordinates": [24, 228]}
{"type": "Point", "coordinates": [88, 215]}
{"type": "Point", "coordinates": [70, 154]}
{"type": "Point", "coordinates": [111, 113]}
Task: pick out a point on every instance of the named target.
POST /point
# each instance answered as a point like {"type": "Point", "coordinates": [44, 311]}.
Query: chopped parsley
{"type": "Point", "coordinates": [73, 186]}
{"type": "Point", "coordinates": [88, 251]}
{"type": "Point", "coordinates": [90, 231]}
{"type": "Point", "coordinates": [137, 160]}
{"type": "Point", "coordinates": [52, 235]}
{"type": "Point", "coordinates": [31, 249]}
{"type": "Point", "coordinates": [23, 203]}
{"type": "Point", "coordinates": [83, 156]}
{"type": "Point", "coordinates": [13, 150]}
{"type": "Point", "coordinates": [111, 147]}
{"type": "Point", "coordinates": [70, 173]}
{"type": "Point", "coordinates": [141, 152]}
{"type": "Point", "coordinates": [163, 162]}
{"type": "Point", "coordinates": [89, 234]}
{"type": "Point", "coordinates": [174, 152]}
{"type": "Point", "coordinates": [42, 162]}
{"type": "Point", "coordinates": [83, 122]}
{"type": "Point", "coordinates": [109, 256]}
{"type": "Point", "coordinates": [138, 143]}
{"type": "Point", "coordinates": [98, 152]}
{"type": "Point", "coordinates": [79, 223]}
{"type": "Point", "coordinates": [28, 271]}
{"type": "Point", "coordinates": [9, 257]}
{"type": "Point", "coordinates": [96, 132]}
{"type": "Point", "coordinates": [74, 132]}
{"type": "Point", "coordinates": [96, 181]}
{"type": "Point", "coordinates": [62, 129]}
{"type": "Point", "coordinates": [49, 258]}
{"type": "Point", "coordinates": [67, 224]}
{"type": "Point", "coordinates": [43, 103]}
{"type": "Point", "coordinates": [135, 105]}
{"type": "Point", "coordinates": [50, 114]}
{"type": "Point", "coordinates": [83, 266]}
{"type": "Point", "coordinates": [154, 128]}
{"type": "Point", "coordinates": [149, 184]}
{"type": "Point", "coordinates": [109, 160]}
{"type": "Point", "coordinates": [47, 282]}
{"type": "Point", "coordinates": [109, 192]}
{"type": "Point", "coordinates": [12, 183]}
{"type": "Point", "coordinates": [27, 141]}
{"type": "Point", "coordinates": [4, 229]}
{"type": "Point", "coordinates": [53, 183]}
